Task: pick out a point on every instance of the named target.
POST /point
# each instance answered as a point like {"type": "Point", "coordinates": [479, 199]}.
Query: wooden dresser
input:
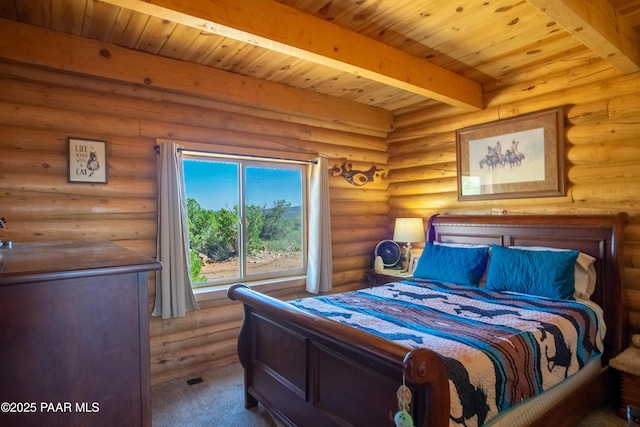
{"type": "Point", "coordinates": [74, 335]}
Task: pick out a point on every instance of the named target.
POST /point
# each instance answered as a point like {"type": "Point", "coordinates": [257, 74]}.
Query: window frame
{"type": "Point", "coordinates": [244, 161]}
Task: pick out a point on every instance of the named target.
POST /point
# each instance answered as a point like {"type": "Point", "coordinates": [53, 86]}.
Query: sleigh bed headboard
{"type": "Point", "coordinates": [597, 235]}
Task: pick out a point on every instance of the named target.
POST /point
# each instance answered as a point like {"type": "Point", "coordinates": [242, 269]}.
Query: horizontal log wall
{"type": "Point", "coordinates": [602, 134]}
{"type": "Point", "coordinates": [39, 109]}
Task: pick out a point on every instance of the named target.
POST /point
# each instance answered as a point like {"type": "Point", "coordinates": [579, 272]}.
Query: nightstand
{"type": "Point", "coordinates": [627, 365]}
{"type": "Point", "coordinates": [387, 276]}
{"type": "Point", "coordinates": [629, 393]}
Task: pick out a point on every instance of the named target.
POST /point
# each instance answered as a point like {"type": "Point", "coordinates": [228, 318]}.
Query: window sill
{"type": "Point", "coordinates": [265, 286]}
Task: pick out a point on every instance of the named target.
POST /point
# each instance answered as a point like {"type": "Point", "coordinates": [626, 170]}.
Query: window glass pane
{"type": "Point", "coordinates": [246, 219]}
{"type": "Point", "coordinates": [274, 208]}
{"type": "Point", "coordinates": [212, 206]}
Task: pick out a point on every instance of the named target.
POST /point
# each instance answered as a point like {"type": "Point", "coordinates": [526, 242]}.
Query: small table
{"type": "Point", "coordinates": [627, 364]}
{"type": "Point", "coordinates": [387, 276]}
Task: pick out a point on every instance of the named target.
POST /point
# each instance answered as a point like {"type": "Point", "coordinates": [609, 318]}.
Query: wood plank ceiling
{"type": "Point", "coordinates": [393, 54]}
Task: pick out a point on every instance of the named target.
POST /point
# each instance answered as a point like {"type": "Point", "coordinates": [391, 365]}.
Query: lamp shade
{"type": "Point", "coordinates": [408, 230]}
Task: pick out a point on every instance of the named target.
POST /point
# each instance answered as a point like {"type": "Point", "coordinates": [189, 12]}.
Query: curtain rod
{"type": "Point", "coordinates": [240, 156]}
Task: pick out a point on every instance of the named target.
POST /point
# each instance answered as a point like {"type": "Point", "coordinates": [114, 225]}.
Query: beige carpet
{"type": "Point", "coordinates": [603, 417]}
{"type": "Point", "coordinates": [219, 401]}
{"type": "Point", "coordinates": [216, 401]}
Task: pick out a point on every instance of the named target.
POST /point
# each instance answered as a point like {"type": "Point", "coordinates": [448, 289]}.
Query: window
{"type": "Point", "coordinates": [247, 218]}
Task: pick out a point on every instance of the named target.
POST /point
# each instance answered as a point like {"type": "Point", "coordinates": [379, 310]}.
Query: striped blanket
{"type": "Point", "coordinates": [500, 348]}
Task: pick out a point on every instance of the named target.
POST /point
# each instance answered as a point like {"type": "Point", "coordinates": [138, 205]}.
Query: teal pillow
{"type": "Point", "coordinates": [464, 266]}
{"type": "Point", "coordinates": [547, 274]}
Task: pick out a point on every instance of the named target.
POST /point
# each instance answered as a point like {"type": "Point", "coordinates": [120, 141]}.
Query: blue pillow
{"type": "Point", "coordinates": [543, 273]}
{"type": "Point", "coordinates": [464, 266]}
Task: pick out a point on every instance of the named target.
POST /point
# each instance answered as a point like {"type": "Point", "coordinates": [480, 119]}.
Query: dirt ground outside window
{"type": "Point", "coordinates": [263, 262]}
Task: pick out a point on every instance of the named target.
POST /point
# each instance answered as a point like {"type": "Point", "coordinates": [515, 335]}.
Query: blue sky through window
{"type": "Point", "coordinates": [213, 184]}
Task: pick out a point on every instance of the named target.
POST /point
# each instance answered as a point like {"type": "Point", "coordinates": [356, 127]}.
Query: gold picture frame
{"type": "Point", "coordinates": [512, 158]}
{"type": "Point", "coordinates": [413, 260]}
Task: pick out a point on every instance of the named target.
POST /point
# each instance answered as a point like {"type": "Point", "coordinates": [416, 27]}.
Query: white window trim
{"type": "Point", "coordinates": [264, 286]}
{"type": "Point", "coordinates": [296, 277]}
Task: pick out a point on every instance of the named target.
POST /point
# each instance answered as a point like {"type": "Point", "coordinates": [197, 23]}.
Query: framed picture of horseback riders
{"type": "Point", "coordinates": [87, 161]}
{"type": "Point", "coordinates": [518, 157]}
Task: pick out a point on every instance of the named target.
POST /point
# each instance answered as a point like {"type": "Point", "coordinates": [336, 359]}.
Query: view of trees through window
{"type": "Point", "coordinates": [245, 219]}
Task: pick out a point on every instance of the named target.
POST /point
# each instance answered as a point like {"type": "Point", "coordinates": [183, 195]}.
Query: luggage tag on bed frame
{"type": "Point", "coordinates": [402, 418]}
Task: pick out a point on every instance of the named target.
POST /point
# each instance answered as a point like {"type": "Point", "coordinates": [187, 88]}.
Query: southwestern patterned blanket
{"type": "Point", "coordinates": [500, 348]}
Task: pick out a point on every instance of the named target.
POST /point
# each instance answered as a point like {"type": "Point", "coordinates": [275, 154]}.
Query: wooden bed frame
{"type": "Point", "coordinates": [310, 371]}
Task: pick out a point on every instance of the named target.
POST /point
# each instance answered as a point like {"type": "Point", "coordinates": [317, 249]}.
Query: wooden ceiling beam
{"type": "Point", "coordinates": [75, 54]}
{"type": "Point", "coordinates": [280, 28]}
{"type": "Point", "coordinates": [596, 24]}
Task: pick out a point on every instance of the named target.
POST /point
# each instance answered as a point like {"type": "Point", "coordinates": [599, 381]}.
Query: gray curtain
{"type": "Point", "coordinates": [319, 263]}
{"type": "Point", "coordinates": [174, 296]}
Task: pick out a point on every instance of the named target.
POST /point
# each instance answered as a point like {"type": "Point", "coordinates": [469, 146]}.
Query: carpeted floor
{"type": "Point", "coordinates": [216, 401]}
{"type": "Point", "coordinates": [219, 401]}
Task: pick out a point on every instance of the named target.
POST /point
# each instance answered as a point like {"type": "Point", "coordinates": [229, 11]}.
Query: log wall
{"type": "Point", "coordinates": [40, 109]}
{"type": "Point", "coordinates": [602, 137]}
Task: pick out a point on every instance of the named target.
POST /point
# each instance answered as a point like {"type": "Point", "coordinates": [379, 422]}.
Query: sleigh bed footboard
{"type": "Point", "coordinates": [310, 371]}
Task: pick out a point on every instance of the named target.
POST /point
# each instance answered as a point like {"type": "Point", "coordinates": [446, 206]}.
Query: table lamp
{"type": "Point", "coordinates": [408, 230]}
